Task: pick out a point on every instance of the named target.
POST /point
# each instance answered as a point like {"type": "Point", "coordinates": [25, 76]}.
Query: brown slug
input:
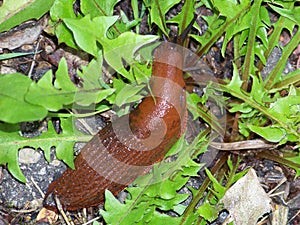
{"type": "Point", "coordinates": [128, 147]}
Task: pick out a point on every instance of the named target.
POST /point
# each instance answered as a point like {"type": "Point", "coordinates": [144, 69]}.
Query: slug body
{"type": "Point", "coordinates": [128, 147]}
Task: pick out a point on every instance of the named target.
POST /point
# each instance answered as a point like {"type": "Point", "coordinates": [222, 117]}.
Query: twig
{"type": "Point", "coordinates": [283, 180]}
{"type": "Point", "coordinates": [61, 211]}
{"type": "Point", "coordinates": [92, 220]}
{"type": "Point", "coordinates": [277, 194]}
{"type": "Point", "coordinates": [297, 213]}
{"type": "Point", "coordinates": [34, 58]}
{"type": "Point", "coordinates": [23, 211]}
{"type": "Point", "coordinates": [37, 187]}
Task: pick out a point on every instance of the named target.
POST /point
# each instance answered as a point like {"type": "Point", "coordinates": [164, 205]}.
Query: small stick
{"type": "Point", "coordinates": [23, 211]}
{"type": "Point", "coordinates": [92, 220]}
{"type": "Point", "coordinates": [37, 187]}
{"type": "Point", "coordinates": [283, 180]}
{"type": "Point", "coordinates": [297, 213]}
{"type": "Point", "coordinates": [34, 58]}
{"type": "Point", "coordinates": [60, 209]}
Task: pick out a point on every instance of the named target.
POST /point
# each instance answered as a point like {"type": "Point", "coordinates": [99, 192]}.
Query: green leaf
{"type": "Point", "coordinates": [11, 141]}
{"type": "Point", "coordinates": [236, 82]}
{"type": "Point", "coordinates": [279, 112]}
{"type": "Point", "coordinates": [157, 190]}
{"type": "Point", "coordinates": [286, 81]}
{"type": "Point", "coordinates": [276, 73]}
{"type": "Point", "coordinates": [296, 160]}
{"type": "Point", "coordinates": [286, 106]}
{"type": "Point", "coordinates": [93, 90]}
{"type": "Point", "coordinates": [208, 212]}
{"type": "Point", "coordinates": [200, 111]}
{"type": "Point", "coordinates": [218, 25]}
{"type": "Point", "coordinates": [53, 97]}
{"type": "Point", "coordinates": [141, 72]}
{"type": "Point", "coordinates": [256, 23]}
{"type": "Point", "coordinates": [262, 35]}
{"type": "Point", "coordinates": [185, 16]}
{"type": "Point", "coordinates": [219, 190]}
{"type": "Point", "coordinates": [159, 218]}
{"type": "Point", "coordinates": [13, 107]}
{"type": "Point", "coordinates": [228, 8]}
{"type": "Point", "coordinates": [272, 134]}
{"type": "Point", "coordinates": [14, 55]}
{"type": "Point", "coordinates": [117, 50]}
{"type": "Point", "coordinates": [165, 188]}
{"type": "Point", "coordinates": [64, 35]}
{"type": "Point", "coordinates": [193, 99]}
{"type": "Point", "coordinates": [9, 154]}
{"type": "Point", "coordinates": [158, 10]}
{"type": "Point", "coordinates": [257, 90]}
{"type": "Point", "coordinates": [170, 203]}
{"type": "Point", "coordinates": [176, 147]}
{"type": "Point", "coordinates": [123, 25]}
{"type": "Point", "coordinates": [277, 28]}
{"type": "Point", "coordinates": [240, 107]}
{"type": "Point", "coordinates": [265, 16]}
{"type": "Point", "coordinates": [113, 216]}
{"type": "Point", "coordinates": [64, 142]}
{"type": "Point", "coordinates": [13, 13]}
{"type": "Point", "coordinates": [96, 8]}
{"type": "Point", "coordinates": [123, 48]}
{"type": "Point", "coordinates": [87, 31]}
{"type": "Point", "coordinates": [128, 94]}
{"type": "Point", "coordinates": [60, 10]}
{"type": "Point", "coordinates": [292, 14]}
{"type": "Point", "coordinates": [64, 92]}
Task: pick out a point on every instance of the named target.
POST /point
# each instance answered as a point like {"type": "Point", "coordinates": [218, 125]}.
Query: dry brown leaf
{"type": "Point", "coordinates": [26, 33]}
{"type": "Point", "coordinates": [280, 215]}
{"type": "Point", "coordinates": [47, 216]}
{"type": "Point", "coordinates": [246, 200]}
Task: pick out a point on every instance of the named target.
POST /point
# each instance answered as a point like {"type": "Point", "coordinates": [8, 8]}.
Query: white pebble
{"type": "Point", "coordinates": [29, 155]}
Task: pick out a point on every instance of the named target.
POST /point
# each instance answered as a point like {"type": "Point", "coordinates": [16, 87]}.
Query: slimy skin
{"type": "Point", "coordinates": [129, 146]}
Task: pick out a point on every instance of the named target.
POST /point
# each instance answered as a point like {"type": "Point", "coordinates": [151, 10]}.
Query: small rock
{"type": "Point", "coordinates": [7, 70]}
{"type": "Point", "coordinates": [28, 156]}
{"type": "Point", "coordinates": [36, 203]}
{"type": "Point", "coordinates": [55, 162]}
{"type": "Point", "coordinates": [43, 171]}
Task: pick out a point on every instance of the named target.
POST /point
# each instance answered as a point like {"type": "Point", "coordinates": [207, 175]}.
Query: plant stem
{"type": "Point", "coordinates": [249, 57]}
{"type": "Point", "coordinates": [268, 155]}
{"type": "Point", "coordinates": [190, 209]}
{"type": "Point", "coordinates": [274, 37]}
{"type": "Point", "coordinates": [205, 47]}
{"type": "Point", "coordinates": [276, 72]}
{"type": "Point", "coordinates": [208, 117]}
{"type": "Point", "coordinates": [236, 50]}
{"type": "Point", "coordinates": [257, 106]}
{"type": "Point", "coordinates": [285, 82]}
